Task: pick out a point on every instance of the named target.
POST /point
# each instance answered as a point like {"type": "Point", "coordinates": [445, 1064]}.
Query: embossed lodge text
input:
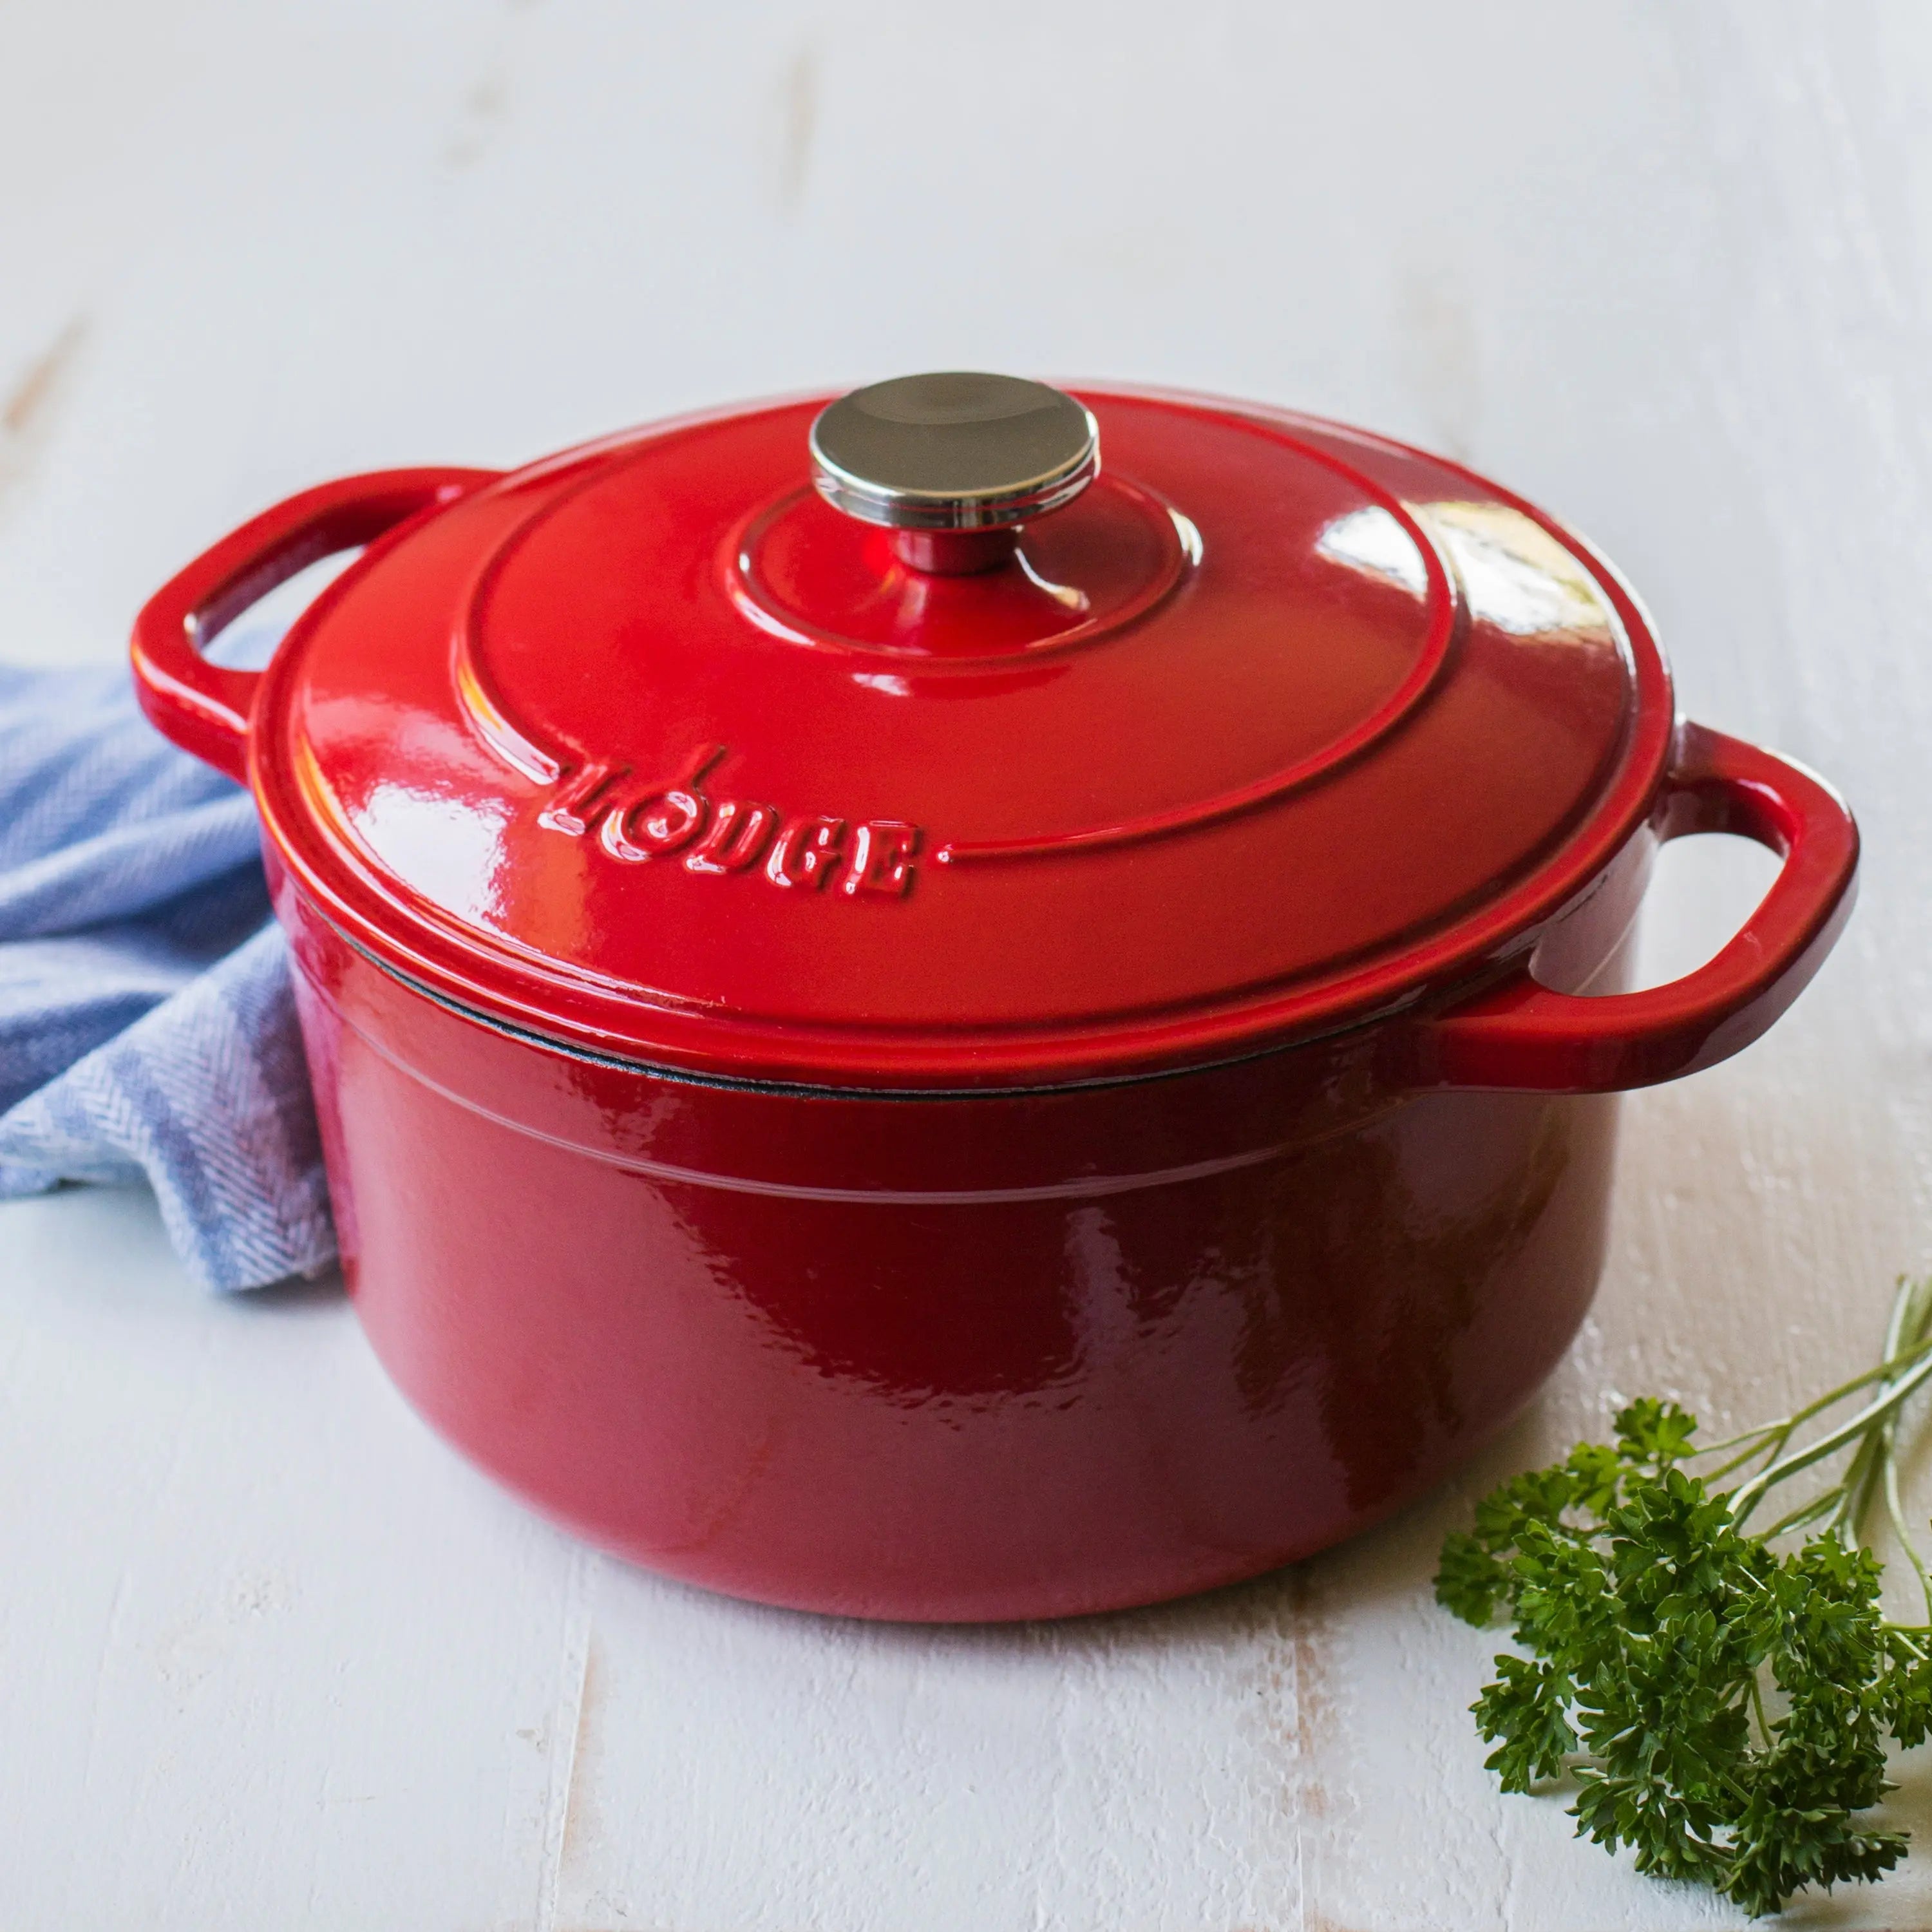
{"type": "Point", "coordinates": [637, 820]}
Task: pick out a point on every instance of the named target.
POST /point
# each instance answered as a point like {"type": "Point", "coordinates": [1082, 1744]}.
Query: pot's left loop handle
{"type": "Point", "coordinates": [1523, 1035]}
{"type": "Point", "coordinates": [204, 707]}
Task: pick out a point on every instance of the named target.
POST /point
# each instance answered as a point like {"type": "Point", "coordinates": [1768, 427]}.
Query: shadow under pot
{"type": "Point", "coordinates": [909, 1025]}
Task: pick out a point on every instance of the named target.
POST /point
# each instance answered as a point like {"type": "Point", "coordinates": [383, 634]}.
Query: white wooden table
{"type": "Point", "coordinates": [270, 1657]}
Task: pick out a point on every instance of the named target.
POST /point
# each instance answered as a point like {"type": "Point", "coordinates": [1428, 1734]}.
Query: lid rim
{"type": "Point", "coordinates": [1098, 1056]}
{"type": "Point", "coordinates": [821, 1090]}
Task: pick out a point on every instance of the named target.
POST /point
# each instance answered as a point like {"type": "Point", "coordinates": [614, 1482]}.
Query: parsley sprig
{"type": "Point", "coordinates": [1722, 1701]}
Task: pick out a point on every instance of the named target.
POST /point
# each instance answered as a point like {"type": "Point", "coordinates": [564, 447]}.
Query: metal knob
{"type": "Point", "coordinates": [955, 462]}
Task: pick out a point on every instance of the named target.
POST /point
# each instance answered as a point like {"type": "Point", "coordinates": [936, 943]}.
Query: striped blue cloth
{"type": "Point", "coordinates": [146, 1025]}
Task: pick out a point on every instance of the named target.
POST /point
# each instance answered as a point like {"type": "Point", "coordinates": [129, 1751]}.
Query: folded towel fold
{"type": "Point", "coordinates": [147, 1027]}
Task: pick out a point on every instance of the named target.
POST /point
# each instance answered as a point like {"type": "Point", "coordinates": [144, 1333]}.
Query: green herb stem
{"type": "Point", "coordinates": [1747, 1495]}
{"type": "Point", "coordinates": [1652, 1619]}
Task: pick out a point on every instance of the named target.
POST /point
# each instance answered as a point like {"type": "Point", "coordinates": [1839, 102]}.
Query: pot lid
{"type": "Point", "coordinates": [961, 733]}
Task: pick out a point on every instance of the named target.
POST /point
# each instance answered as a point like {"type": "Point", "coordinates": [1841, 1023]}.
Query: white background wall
{"type": "Point", "coordinates": [268, 1655]}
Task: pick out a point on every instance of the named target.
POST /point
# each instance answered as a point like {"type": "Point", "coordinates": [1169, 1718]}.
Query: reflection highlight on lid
{"type": "Point", "coordinates": [1371, 540]}
{"type": "Point", "coordinates": [448, 846]}
{"type": "Point", "coordinates": [1514, 574]}
{"type": "Point", "coordinates": [1510, 571]}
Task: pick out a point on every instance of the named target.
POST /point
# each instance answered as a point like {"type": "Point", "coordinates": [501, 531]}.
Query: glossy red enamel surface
{"type": "Point", "coordinates": [1125, 1216]}
{"type": "Point", "coordinates": [1272, 726]}
{"type": "Point", "coordinates": [982, 1358]}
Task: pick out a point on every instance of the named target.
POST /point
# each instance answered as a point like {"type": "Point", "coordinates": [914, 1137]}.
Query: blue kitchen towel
{"type": "Point", "coordinates": [147, 1027]}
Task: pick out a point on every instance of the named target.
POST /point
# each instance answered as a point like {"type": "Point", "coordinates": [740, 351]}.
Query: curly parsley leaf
{"type": "Point", "coordinates": [1722, 1706]}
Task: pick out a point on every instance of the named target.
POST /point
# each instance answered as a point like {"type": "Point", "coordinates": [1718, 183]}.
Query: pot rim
{"type": "Point", "coordinates": [572, 1049]}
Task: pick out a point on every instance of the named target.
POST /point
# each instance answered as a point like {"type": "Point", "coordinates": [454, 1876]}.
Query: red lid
{"type": "Point", "coordinates": [652, 750]}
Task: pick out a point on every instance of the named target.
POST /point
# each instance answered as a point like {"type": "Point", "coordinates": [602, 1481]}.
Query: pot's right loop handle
{"type": "Point", "coordinates": [204, 707]}
{"type": "Point", "coordinates": [1523, 1035]}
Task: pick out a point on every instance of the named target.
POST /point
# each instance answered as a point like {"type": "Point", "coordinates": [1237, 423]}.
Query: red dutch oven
{"type": "Point", "coordinates": [910, 1025]}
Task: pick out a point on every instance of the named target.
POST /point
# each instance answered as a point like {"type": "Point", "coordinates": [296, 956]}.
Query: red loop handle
{"type": "Point", "coordinates": [204, 708]}
{"type": "Point", "coordinates": [1523, 1035]}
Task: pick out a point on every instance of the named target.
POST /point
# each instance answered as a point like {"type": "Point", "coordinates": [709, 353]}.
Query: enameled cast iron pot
{"type": "Point", "coordinates": [880, 1060]}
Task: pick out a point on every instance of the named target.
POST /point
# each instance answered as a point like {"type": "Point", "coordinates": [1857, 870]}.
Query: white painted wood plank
{"type": "Point", "coordinates": [271, 1656]}
{"type": "Point", "coordinates": [738, 1766]}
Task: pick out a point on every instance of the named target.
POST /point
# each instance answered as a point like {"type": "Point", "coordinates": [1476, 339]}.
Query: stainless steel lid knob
{"type": "Point", "coordinates": [959, 452]}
